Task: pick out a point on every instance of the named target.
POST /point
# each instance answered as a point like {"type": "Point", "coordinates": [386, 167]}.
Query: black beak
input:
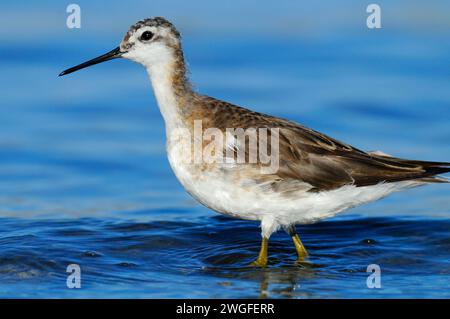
{"type": "Point", "coordinates": [113, 54]}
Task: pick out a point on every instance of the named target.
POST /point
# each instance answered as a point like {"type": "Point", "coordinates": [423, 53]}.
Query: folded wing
{"type": "Point", "coordinates": [323, 162]}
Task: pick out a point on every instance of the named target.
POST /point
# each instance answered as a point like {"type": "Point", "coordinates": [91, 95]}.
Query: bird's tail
{"type": "Point", "coordinates": [433, 169]}
{"type": "Point", "coordinates": [430, 170]}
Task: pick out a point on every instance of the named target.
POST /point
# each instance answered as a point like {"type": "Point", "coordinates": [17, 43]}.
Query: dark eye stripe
{"type": "Point", "coordinates": [147, 35]}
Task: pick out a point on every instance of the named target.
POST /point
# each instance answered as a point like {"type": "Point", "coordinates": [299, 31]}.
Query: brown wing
{"type": "Point", "coordinates": [322, 161]}
{"type": "Point", "coordinates": [334, 164]}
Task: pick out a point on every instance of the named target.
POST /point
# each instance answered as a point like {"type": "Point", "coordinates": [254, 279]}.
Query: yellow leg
{"type": "Point", "coordinates": [261, 261]}
{"type": "Point", "coordinates": [301, 251]}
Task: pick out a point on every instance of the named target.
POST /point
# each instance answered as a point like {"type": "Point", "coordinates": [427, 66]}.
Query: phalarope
{"type": "Point", "coordinates": [317, 177]}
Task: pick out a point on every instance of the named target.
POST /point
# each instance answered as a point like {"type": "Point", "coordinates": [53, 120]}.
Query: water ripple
{"type": "Point", "coordinates": [216, 253]}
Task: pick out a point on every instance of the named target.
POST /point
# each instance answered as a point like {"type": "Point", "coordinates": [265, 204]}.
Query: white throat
{"type": "Point", "coordinates": [161, 77]}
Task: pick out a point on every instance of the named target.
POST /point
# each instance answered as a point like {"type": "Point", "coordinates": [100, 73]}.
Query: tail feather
{"type": "Point", "coordinates": [430, 170]}
{"type": "Point", "coordinates": [435, 169]}
{"type": "Point", "coordinates": [434, 179]}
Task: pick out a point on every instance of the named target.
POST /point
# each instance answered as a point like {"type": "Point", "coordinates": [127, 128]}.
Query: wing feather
{"type": "Point", "coordinates": [323, 162]}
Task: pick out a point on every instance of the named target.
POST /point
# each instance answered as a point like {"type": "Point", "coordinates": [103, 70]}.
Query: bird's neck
{"type": "Point", "coordinates": [172, 89]}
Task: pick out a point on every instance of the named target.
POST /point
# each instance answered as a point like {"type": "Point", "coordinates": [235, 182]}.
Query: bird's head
{"type": "Point", "coordinates": [150, 42]}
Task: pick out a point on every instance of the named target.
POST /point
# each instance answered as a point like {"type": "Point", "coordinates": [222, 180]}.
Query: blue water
{"type": "Point", "coordinates": [84, 177]}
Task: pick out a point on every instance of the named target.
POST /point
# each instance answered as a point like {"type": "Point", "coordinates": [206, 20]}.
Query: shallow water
{"type": "Point", "coordinates": [209, 257]}
{"type": "Point", "coordinates": [84, 178]}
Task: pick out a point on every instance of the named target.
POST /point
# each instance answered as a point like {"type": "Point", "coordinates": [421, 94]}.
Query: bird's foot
{"type": "Point", "coordinates": [302, 254]}
{"type": "Point", "coordinates": [260, 262]}
{"type": "Point", "coordinates": [301, 250]}
{"type": "Point", "coordinates": [301, 261]}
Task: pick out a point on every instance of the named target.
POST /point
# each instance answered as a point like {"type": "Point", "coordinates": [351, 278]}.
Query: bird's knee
{"type": "Point", "coordinates": [290, 230]}
{"type": "Point", "coordinates": [268, 226]}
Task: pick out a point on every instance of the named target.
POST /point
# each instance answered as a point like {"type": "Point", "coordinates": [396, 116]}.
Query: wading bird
{"type": "Point", "coordinates": [317, 177]}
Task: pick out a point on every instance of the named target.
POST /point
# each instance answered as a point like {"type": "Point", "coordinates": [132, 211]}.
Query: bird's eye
{"type": "Point", "coordinates": [147, 35]}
